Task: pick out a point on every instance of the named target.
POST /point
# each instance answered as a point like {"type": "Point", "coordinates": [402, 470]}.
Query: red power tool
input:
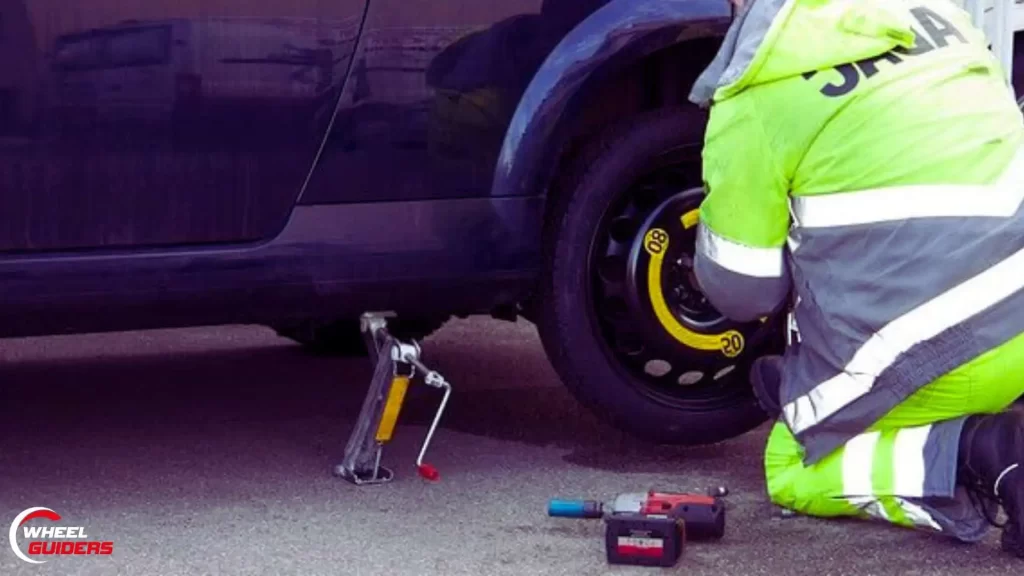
{"type": "Point", "coordinates": [651, 528]}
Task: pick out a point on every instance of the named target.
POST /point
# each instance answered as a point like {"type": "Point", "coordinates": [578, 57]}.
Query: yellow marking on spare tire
{"type": "Point", "coordinates": [691, 218]}
{"type": "Point", "coordinates": [729, 343]}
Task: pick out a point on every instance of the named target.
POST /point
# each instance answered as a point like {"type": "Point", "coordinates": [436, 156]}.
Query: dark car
{"type": "Point", "coordinates": [295, 164]}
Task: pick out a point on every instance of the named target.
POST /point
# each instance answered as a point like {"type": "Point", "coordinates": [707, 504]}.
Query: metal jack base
{"type": "Point", "coordinates": [395, 364]}
{"type": "Point", "coordinates": [379, 475]}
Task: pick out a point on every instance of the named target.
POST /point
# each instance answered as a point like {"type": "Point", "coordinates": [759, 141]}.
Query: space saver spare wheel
{"type": "Point", "coordinates": [622, 318]}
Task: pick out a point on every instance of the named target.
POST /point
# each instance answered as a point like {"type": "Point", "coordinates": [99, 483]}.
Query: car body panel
{"type": "Point", "coordinates": [160, 123]}
{"type": "Point", "coordinates": [459, 256]}
{"type": "Point", "coordinates": [414, 221]}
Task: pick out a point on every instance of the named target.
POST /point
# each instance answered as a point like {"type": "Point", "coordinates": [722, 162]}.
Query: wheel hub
{"type": "Point", "coordinates": [683, 293]}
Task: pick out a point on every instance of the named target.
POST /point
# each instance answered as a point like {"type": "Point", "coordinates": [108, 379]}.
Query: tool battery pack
{"type": "Point", "coordinates": [704, 516]}
{"type": "Point", "coordinates": [640, 540]}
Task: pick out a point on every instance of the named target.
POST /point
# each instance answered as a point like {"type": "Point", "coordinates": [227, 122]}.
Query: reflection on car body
{"type": "Point", "coordinates": [164, 72]}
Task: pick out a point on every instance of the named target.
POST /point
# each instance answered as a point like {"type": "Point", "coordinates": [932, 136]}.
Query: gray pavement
{"type": "Point", "coordinates": [207, 451]}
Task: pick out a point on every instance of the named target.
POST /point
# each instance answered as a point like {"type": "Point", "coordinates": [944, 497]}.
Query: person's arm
{"type": "Point", "coordinates": [744, 219]}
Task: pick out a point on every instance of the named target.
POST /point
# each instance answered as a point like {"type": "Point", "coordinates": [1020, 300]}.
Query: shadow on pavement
{"type": "Point", "coordinates": [267, 405]}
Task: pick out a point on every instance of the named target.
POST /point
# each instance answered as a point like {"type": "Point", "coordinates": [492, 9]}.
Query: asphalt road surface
{"type": "Point", "coordinates": [208, 451]}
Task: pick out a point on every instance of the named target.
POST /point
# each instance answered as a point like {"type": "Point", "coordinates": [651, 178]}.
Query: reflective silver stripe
{"type": "Point", "coordinates": [746, 260]}
{"type": "Point", "coordinates": [869, 504]}
{"type": "Point", "coordinates": [920, 324]}
{"type": "Point", "coordinates": [858, 460]}
{"type": "Point", "coordinates": [918, 515]}
{"type": "Point", "coordinates": [908, 461]}
{"type": "Point", "coordinates": [999, 199]}
{"type": "Point", "coordinates": [908, 471]}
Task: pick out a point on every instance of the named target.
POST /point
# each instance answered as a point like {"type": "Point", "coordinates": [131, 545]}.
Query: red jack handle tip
{"type": "Point", "coordinates": [429, 472]}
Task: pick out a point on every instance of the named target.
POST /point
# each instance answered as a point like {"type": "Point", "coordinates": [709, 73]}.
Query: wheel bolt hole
{"type": "Point", "coordinates": [613, 268]}
{"type": "Point", "coordinates": [657, 368]}
{"type": "Point", "coordinates": [623, 230]}
{"type": "Point", "coordinates": [724, 372]}
{"type": "Point", "coordinates": [629, 346]}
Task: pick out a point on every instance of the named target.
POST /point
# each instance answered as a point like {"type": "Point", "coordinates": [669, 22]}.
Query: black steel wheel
{"type": "Point", "coordinates": [646, 300]}
{"type": "Point", "coordinates": [622, 317]}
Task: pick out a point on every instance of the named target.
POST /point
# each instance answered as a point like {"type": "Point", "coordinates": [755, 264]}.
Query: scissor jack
{"type": "Point", "coordinates": [395, 365]}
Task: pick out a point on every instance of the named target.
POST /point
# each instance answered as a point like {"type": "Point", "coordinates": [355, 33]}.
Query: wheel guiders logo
{"type": "Point", "coordinates": [53, 540]}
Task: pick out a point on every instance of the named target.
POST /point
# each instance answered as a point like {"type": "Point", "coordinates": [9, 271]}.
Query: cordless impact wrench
{"type": "Point", "coordinates": [651, 528]}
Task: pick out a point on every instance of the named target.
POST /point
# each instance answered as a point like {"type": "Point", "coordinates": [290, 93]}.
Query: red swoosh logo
{"type": "Point", "coordinates": [49, 515]}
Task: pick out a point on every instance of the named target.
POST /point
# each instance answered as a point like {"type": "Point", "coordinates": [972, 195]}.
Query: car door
{"type": "Point", "coordinates": [137, 79]}
{"type": "Point", "coordinates": [145, 123]}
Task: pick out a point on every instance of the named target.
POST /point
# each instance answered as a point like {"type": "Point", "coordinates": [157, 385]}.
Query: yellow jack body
{"type": "Point", "coordinates": [396, 396]}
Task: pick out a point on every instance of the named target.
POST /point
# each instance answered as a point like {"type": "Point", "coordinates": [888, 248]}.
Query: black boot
{"type": "Point", "coordinates": [766, 379]}
{"type": "Point", "coordinates": [990, 466]}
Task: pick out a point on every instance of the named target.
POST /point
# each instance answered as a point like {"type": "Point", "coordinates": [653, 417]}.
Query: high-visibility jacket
{"type": "Point", "coordinates": [866, 157]}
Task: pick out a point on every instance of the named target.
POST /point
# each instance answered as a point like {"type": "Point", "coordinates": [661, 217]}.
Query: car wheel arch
{"type": "Point", "coordinates": [658, 80]}
{"type": "Point", "coordinates": [617, 43]}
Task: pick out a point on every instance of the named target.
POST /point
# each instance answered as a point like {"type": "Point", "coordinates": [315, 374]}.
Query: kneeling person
{"type": "Point", "coordinates": [864, 160]}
